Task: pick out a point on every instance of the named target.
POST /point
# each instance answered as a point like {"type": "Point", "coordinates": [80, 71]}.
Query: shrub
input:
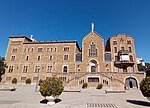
{"type": "Point", "coordinates": [28, 81]}
{"type": "Point", "coordinates": [14, 81]}
{"type": "Point", "coordinates": [40, 81]}
{"type": "Point", "coordinates": [84, 85]}
{"type": "Point", "coordinates": [145, 86]}
{"type": "Point", "coordinates": [99, 86]}
{"type": "Point", "coordinates": [51, 87]}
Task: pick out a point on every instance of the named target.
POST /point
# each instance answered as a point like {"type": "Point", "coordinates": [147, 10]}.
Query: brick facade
{"type": "Point", "coordinates": [114, 65]}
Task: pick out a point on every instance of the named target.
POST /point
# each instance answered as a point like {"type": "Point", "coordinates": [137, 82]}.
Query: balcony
{"type": "Point", "coordinates": [123, 59]}
{"type": "Point", "coordinates": [124, 63]}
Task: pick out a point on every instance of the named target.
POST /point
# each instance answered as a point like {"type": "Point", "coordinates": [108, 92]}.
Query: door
{"type": "Point", "coordinates": [93, 68]}
{"type": "Point", "coordinates": [124, 69]}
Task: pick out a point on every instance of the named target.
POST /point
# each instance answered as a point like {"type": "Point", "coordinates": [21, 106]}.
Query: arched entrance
{"type": "Point", "coordinates": [131, 82]}
{"type": "Point", "coordinates": [93, 67]}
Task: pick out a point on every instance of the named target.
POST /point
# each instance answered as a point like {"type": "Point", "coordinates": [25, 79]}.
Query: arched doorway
{"type": "Point", "coordinates": [131, 82]}
{"type": "Point", "coordinates": [93, 67]}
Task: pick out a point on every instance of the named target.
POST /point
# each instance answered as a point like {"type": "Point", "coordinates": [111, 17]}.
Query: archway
{"type": "Point", "coordinates": [131, 82]}
{"type": "Point", "coordinates": [93, 67]}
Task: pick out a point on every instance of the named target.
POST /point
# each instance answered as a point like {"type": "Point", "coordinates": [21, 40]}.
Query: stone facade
{"type": "Point", "coordinates": [113, 65]}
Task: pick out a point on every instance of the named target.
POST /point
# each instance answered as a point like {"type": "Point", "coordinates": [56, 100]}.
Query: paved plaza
{"type": "Point", "coordinates": [26, 97]}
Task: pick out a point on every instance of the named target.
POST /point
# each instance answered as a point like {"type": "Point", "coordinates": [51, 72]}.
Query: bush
{"type": "Point", "coordinates": [51, 87]}
{"type": "Point", "coordinates": [14, 81]}
{"type": "Point", "coordinates": [145, 86]}
{"type": "Point", "coordinates": [99, 86]}
{"type": "Point", "coordinates": [40, 81]}
{"type": "Point", "coordinates": [84, 85]}
{"type": "Point", "coordinates": [28, 81]}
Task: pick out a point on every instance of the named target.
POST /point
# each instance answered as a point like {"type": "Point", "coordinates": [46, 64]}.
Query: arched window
{"type": "Point", "coordinates": [115, 49]}
{"type": "Point", "coordinates": [131, 58]}
{"type": "Point", "coordinates": [39, 58]}
{"type": "Point", "coordinates": [65, 69]}
{"type": "Point", "coordinates": [122, 48]}
{"type": "Point", "coordinates": [50, 57]}
{"type": "Point", "coordinates": [92, 50]}
{"type": "Point", "coordinates": [129, 48]}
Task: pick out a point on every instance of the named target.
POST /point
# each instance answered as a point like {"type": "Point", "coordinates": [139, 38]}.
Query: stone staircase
{"type": "Point", "coordinates": [73, 79]}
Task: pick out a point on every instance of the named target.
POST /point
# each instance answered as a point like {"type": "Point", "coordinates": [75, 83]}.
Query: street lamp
{"type": "Point", "coordinates": [36, 86]}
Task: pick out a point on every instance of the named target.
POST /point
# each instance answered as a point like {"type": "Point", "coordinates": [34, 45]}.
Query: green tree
{"type": "Point", "coordinates": [141, 68]}
{"type": "Point", "coordinates": [2, 66]}
{"type": "Point", "coordinates": [51, 87]}
{"type": "Point", "coordinates": [145, 86]}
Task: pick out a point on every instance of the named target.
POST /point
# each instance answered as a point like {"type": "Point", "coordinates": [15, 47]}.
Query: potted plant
{"type": "Point", "coordinates": [28, 81]}
{"type": "Point", "coordinates": [145, 87]}
{"type": "Point", "coordinates": [84, 85]}
{"type": "Point", "coordinates": [14, 81]}
{"type": "Point", "coordinates": [99, 86]}
{"type": "Point", "coordinates": [51, 88]}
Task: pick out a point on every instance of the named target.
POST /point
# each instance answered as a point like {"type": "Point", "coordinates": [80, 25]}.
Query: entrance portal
{"type": "Point", "coordinates": [131, 82]}
{"type": "Point", "coordinates": [92, 66]}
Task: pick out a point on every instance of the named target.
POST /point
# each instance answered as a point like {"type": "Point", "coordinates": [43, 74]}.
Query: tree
{"type": "Point", "coordinates": [145, 87]}
{"type": "Point", "coordinates": [2, 66]}
{"type": "Point", "coordinates": [51, 87]}
{"type": "Point", "coordinates": [141, 68]}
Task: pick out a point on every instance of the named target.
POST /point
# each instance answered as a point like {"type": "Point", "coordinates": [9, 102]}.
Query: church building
{"type": "Point", "coordinates": [114, 64]}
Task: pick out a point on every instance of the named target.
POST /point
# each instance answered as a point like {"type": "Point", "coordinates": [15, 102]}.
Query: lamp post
{"type": "Point", "coordinates": [36, 86]}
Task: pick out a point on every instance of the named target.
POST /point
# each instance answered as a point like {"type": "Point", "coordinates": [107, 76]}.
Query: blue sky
{"type": "Point", "coordinates": [71, 20]}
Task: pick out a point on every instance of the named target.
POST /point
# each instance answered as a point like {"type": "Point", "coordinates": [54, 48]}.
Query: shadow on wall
{"type": "Point", "coordinates": [138, 102]}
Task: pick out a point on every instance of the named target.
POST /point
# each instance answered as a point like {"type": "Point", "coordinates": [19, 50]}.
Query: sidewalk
{"type": "Point", "coordinates": [25, 97]}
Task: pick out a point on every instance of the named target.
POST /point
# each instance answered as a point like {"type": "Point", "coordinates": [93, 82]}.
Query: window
{"type": "Point", "coordinates": [32, 50]}
{"type": "Point", "coordinates": [39, 58]}
{"type": "Point", "coordinates": [78, 57]}
{"type": "Point", "coordinates": [65, 69]}
{"type": "Point", "coordinates": [63, 79]}
{"type": "Point", "coordinates": [65, 57]}
{"type": "Point", "coordinates": [14, 50]}
{"type": "Point", "coordinates": [25, 50]}
{"type": "Point", "coordinates": [12, 58]}
{"type": "Point", "coordinates": [128, 42]}
{"type": "Point", "coordinates": [55, 49]}
{"type": "Point", "coordinates": [131, 58]}
{"type": "Point", "coordinates": [49, 69]}
{"type": "Point", "coordinates": [122, 48]}
{"type": "Point", "coordinates": [10, 69]}
{"type": "Point", "coordinates": [35, 78]}
{"type": "Point", "coordinates": [47, 50]}
{"type": "Point", "coordinates": [37, 68]}
{"type": "Point", "coordinates": [92, 50]}
{"type": "Point", "coordinates": [51, 49]}
{"type": "Point", "coordinates": [23, 78]}
{"type": "Point", "coordinates": [50, 57]}
{"type": "Point", "coordinates": [40, 49]}
{"type": "Point", "coordinates": [116, 58]}
{"type": "Point", "coordinates": [115, 49]}
{"type": "Point", "coordinates": [66, 49]}
{"type": "Point", "coordinates": [25, 69]}
{"type": "Point", "coordinates": [121, 40]}
{"type": "Point", "coordinates": [8, 78]}
{"type": "Point", "coordinates": [129, 48]}
{"type": "Point", "coordinates": [93, 79]}
{"type": "Point", "coordinates": [107, 57]}
{"type": "Point", "coordinates": [28, 49]}
{"type": "Point", "coordinates": [114, 42]}
{"type": "Point", "coordinates": [27, 58]}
